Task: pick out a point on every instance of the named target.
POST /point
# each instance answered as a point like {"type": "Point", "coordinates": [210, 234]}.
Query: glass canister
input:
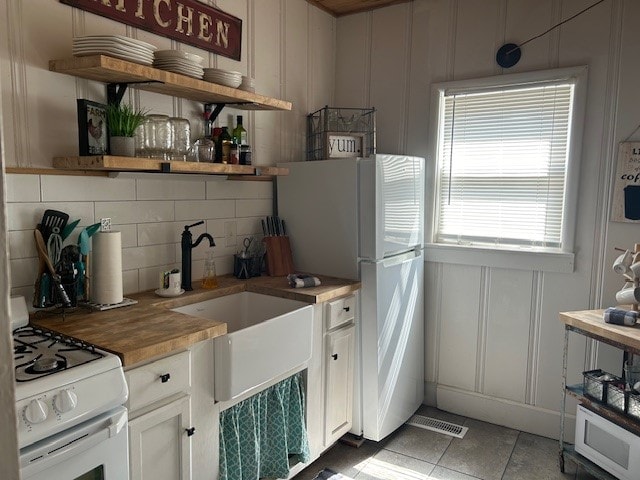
{"type": "Point", "coordinates": [139, 140]}
{"type": "Point", "coordinates": [157, 136]}
{"type": "Point", "coordinates": [181, 138]}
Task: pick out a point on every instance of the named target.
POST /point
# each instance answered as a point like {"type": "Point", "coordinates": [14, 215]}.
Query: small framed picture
{"type": "Point", "coordinates": [93, 136]}
{"type": "Point", "coordinates": [344, 145]}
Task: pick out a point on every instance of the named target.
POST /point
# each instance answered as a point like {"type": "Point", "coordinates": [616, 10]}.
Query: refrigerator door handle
{"type": "Point", "coordinates": [398, 259]}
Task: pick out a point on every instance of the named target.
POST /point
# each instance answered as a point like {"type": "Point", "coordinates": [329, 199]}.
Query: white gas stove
{"type": "Point", "coordinates": [60, 382]}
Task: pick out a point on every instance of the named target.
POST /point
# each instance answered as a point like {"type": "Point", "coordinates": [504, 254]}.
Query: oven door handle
{"type": "Point", "coordinates": [117, 424]}
{"type": "Point", "coordinates": [80, 439]}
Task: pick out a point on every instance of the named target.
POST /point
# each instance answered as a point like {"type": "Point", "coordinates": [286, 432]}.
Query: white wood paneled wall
{"type": "Point", "coordinates": [493, 339]}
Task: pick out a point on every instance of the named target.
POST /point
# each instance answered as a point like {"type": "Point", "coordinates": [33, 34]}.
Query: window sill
{"type": "Point", "coordinates": [544, 261]}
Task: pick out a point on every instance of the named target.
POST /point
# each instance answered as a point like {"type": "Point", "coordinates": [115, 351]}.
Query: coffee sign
{"type": "Point", "coordinates": [626, 190]}
{"type": "Point", "coordinates": [187, 21]}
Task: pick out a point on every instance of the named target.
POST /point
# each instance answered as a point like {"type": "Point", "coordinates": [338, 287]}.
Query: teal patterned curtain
{"type": "Point", "coordinates": [259, 435]}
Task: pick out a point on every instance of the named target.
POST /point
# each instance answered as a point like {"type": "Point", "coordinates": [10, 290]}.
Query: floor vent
{"type": "Point", "coordinates": [439, 426]}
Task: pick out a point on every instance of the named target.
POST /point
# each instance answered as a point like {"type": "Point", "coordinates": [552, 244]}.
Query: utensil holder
{"type": "Point", "coordinates": [279, 257]}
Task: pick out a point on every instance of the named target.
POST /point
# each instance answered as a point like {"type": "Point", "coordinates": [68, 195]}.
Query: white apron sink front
{"type": "Point", "coordinates": [266, 337]}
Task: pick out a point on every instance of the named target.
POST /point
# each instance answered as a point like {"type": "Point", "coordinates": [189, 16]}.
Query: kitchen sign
{"type": "Point", "coordinates": [187, 21]}
{"type": "Point", "coordinates": [339, 145]}
{"type": "Point", "coordinates": [626, 194]}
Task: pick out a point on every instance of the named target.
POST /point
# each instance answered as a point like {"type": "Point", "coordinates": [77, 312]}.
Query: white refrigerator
{"type": "Point", "coordinates": [363, 219]}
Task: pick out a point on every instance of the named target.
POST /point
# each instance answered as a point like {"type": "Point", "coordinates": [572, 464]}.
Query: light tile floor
{"type": "Point", "coordinates": [487, 452]}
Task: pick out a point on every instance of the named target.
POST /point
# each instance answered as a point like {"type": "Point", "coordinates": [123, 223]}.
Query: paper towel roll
{"type": "Point", "coordinates": [107, 268]}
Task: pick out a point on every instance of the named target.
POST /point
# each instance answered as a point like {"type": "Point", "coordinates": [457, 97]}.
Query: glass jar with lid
{"type": "Point", "coordinates": [157, 136]}
{"type": "Point", "coordinates": [181, 138]}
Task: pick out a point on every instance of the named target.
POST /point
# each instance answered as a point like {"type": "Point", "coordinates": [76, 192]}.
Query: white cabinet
{"type": "Point", "coordinates": [160, 442]}
{"type": "Point", "coordinates": [339, 361]}
{"type": "Point", "coordinates": [339, 358]}
{"type": "Point", "coordinates": [160, 427]}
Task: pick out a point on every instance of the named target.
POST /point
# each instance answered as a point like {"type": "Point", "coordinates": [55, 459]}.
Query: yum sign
{"type": "Point", "coordinates": [187, 21]}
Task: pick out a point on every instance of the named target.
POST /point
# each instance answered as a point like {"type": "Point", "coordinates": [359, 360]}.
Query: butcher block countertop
{"type": "Point", "coordinates": [150, 329]}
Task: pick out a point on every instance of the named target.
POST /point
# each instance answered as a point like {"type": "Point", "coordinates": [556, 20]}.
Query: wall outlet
{"type": "Point", "coordinates": [230, 234]}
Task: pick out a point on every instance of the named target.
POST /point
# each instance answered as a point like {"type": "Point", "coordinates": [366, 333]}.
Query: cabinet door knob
{"type": "Point", "coordinates": [346, 309]}
{"type": "Point", "coordinates": [190, 431]}
{"type": "Point", "coordinates": [165, 378]}
{"type": "Point", "coordinates": [334, 356]}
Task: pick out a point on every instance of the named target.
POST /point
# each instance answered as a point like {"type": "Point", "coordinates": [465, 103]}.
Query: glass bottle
{"type": "Point", "coordinates": [209, 278]}
{"type": "Point", "coordinates": [225, 140]}
{"type": "Point", "coordinates": [239, 133]}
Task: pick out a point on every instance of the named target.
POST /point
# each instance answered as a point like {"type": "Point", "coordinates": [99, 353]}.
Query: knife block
{"type": "Point", "coordinates": [279, 258]}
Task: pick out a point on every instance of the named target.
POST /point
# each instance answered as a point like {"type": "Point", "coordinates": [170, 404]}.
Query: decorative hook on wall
{"type": "Point", "coordinates": [509, 54]}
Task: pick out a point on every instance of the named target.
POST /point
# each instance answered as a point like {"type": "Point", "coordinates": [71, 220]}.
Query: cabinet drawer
{"type": "Point", "coordinates": [340, 311]}
{"type": "Point", "coordinates": [157, 380]}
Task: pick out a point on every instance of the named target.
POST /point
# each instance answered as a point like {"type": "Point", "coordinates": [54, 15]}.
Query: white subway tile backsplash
{"type": "Point", "coordinates": [162, 189]}
{"type": "Point", "coordinates": [250, 226]}
{"type": "Point", "coordinates": [25, 216]}
{"type": "Point", "coordinates": [73, 188]}
{"type": "Point", "coordinates": [128, 233]}
{"type": "Point", "coordinates": [22, 244]}
{"type": "Point", "coordinates": [150, 256]}
{"type": "Point", "coordinates": [159, 233]}
{"type": "Point", "coordinates": [150, 213]}
{"type": "Point", "coordinates": [23, 271]}
{"type": "Point", "coordinates": [130, 282]}
{"type": "Point", "coordinates": [238, 189]}
{"type": "Point", "coordinates": [136, 212]}
{"type": "Point", "coordinates": [23, 188]}
{"type": "Point", "coordinates": [205, 209]}
{"type": "Point", "coordinates": [215, 228]}
{"type": "Point", "coordinates": [26, 292]}
{"type": "Point", "coordinates": [254, 208]}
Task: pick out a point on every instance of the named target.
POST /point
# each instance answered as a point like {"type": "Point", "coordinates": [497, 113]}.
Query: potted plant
{"type": "Point", "coordinates": [122, 121]}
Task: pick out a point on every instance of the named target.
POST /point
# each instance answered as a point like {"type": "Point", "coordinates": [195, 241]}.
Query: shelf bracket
{"type": "Point", "coordinates": [217, 108]}
{"type": "Point", "coordinates": [115, 92]}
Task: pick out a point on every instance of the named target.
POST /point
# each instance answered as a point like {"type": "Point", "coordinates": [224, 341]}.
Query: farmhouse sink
{"type": "Point", "coordinates": [266, 336]}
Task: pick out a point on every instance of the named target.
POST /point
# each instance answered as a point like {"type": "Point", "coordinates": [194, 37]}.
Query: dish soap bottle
{"type": "Point", "coordinates": [209, 278]}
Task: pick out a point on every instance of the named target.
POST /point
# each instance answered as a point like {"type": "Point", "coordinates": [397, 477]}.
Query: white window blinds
{"type": "Point", "coordinates": [502, 165]}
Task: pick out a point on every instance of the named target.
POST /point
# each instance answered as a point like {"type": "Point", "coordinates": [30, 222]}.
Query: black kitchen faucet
{"type": "Point", "coordinates": [187, 245]}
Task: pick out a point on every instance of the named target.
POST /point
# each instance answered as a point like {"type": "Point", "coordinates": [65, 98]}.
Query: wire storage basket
{"type": "Point", "coordinates": [356, 122]}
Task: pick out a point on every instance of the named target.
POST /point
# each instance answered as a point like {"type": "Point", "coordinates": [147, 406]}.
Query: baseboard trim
{"type": "Point", "coordinates": [527, 418]}
{"type": "Point", "coordinates": [430, 394]}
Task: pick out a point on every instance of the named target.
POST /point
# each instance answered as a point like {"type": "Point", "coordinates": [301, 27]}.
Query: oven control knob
{"type": "Point", "coordinates": [36, 411]}
{"type": "Point", "coordinates": [65, 401]}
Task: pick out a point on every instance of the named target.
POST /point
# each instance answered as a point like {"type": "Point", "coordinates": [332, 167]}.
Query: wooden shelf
{"type": "Point", "coordinates": [106, 163]}
{"type": "Point", "coordinates": [112, 70]}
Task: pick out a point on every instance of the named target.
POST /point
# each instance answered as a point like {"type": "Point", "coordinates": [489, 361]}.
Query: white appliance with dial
{"type": "Point", "coordinates": [363, 219]}
{"type": "Point", "coordinates": [69, 397]}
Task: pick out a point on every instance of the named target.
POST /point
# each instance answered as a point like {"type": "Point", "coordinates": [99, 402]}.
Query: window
{"type": "Point", "coordinates": [507, 158]}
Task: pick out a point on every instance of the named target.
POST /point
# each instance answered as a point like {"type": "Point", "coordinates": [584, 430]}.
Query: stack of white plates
{"type": "Point", "coordinates": [247, 84]}
{"type": "Point", "coordinates": [117, 46]}
{"type": "Point", "coordinates": [176, 61]}
{"type": "Point", "coordinates": [227, 78]}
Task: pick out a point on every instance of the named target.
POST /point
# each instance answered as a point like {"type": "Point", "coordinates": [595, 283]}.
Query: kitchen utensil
{"type": "Point", "coordinates": [54, 246]}
{"type": "Point", "coordinates": [42, 253]}
{"type": "Point", "coordinates": [247, 243]}
{"type": "Point", "coordinates": [51, 219]}
{"type": "Point", "coordinates": [66, 231]}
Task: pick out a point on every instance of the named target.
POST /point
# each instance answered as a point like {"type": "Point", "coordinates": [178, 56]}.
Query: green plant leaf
{"type": "Point", "coordinates": [122, 120]}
